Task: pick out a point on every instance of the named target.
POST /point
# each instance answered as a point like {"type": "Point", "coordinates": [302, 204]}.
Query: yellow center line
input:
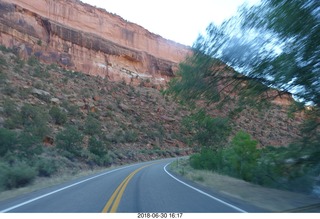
{"type": "Point", "coordinates": [114, 201]}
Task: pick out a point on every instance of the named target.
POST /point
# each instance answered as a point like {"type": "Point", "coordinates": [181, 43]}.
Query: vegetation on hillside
{"type": "Point", "coordinates": [54, 121]}
{"type": "Point", "coordinates": [279, 56]}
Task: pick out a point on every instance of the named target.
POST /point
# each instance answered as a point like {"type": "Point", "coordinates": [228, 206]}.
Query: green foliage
{"type": "Point", "coordinates": [33, 61]}
{"type": "Point", "coordinates": [39, 72]}
{"type": "Point", "coordinates": [58, 116]}
{"type": "Point", "coordinates": [97, 147]}
{"type": "Point", "coordinates": [28, 145]}
{"type": "Point", "coordinates": [121, 136]}
{"type": "Point", "coordinates": [239, 159]}
{"type": "Point", "coordinates": [5, 49]}
{"type": "Point", "coordinates": [8, 141]}
{"type": "Point", "coordinates": [9, 90]}
{"type": "Point", "coordinates": [3, 61]}
{"type": "Point", "coordinates": [242, 156]}
{"type": "Point", "coordinates": [3, 77]}
{"type": "Point", "coordinates": [17, 175]}
{"type": "Point", "coordinates": [206, 159]}
{"type": "Point", "coordinates": [274, 44]}
{"type": "Point", "coordinates": [292, 168]}
{"type": "Point", "coordinates": [207, 131]}
{"type": "Point", "coordinates": [35, 119]}
{"type": "Point", "coordinates": [92, 126]}
{"type": "Point", "coordinates": [72, 110]}
{"type": "Point", "coordinates": [70, 140]}
{"type": "Point", "coordinates": [9, 107]}
{"type": "Point", "coordinates": [46, 167]}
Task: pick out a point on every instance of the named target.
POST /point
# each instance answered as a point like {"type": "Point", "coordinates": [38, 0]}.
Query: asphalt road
{"type": "Point", "coordinates": [143, 187]}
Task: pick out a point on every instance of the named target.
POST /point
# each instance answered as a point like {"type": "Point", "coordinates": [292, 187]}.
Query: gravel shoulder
{"type": "Point", "coordinates": [273, 200]}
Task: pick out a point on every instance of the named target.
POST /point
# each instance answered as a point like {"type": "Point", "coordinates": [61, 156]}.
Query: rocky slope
{"type": "Point", "coordinates": [135, 122]}
{"type": "Point", "coordinates": [80, 37]}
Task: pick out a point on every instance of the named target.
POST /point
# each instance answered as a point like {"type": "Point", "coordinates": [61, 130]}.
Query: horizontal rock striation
{"type": "Point", "coordinates": [88, 39]}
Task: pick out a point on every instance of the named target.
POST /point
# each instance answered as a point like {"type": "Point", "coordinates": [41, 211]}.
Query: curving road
{"type": "Point", "coordinates": [143, 187]}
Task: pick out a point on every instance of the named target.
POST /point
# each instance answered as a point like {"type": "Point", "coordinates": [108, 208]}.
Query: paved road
{"type": "Point", "coordinates": [143, 187]}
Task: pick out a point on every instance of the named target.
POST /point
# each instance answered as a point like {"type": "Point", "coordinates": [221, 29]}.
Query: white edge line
{"type": "Point", "coordinates": [202, 192]}
{"type": "Point", "coordinates": [59, 190]}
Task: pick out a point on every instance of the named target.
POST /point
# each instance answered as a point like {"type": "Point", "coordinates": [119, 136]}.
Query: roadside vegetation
{"type": "Point", "coordinates": [55, 122]}
{"type": "Point", "coordinates": [268, 199]}
{"type": "Point", "coordinates": [283, 59]}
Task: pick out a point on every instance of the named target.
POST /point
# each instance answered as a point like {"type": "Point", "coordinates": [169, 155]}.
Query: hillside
{"type": "Point", "coordinates": [117, 123]}
{"type": "Point", "coordinates": [75, 96]}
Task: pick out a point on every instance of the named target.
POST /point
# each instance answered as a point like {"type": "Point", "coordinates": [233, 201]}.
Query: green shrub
{"type": "Point", "coordinates": [70, 140]}
{"type": "Point", "coordinates": [8, 141]}
{"type": "Point", "coordinates": [40, 72]}
{"type": "Point", "coordinates": [241, 157]}
{"type": "Point", "coordinates": [58, 116]}
{"type": "Point", "coordinates": [207, 131]}
{"type": "Point", "coordinates": [72, 110]}
{"type": "Point", "coordinates": [97, 147]}
{"type": "Point", "coordinates": [35, 119]}
{"type": "Point", "coordinates": [33, 61]}
{"type": "Point", "coordinates": [3, 77]}
{"type": "Point", "coordinates": [3, 61]}
{"type": "Point", "coordinates": [130, 136]}
{"type": "Point", "coordinates": [92, 126]}
{"type": "Point", "coordinates": [9, 107]}
{"type": "Point", "coordinates": [104, 160]}
{"type": "Point", "coordinates": [29, 145]}
{"type": "Point", "coordinates": [9, 90]}
{"type": "Point", "coordinates": [5, 49]}
{"type": "Point", "coordinates": [29, 113]}
{"type": "Point", "coordinates": [17, 175]}
{"type": "Point", "coordinates": [46, 167]}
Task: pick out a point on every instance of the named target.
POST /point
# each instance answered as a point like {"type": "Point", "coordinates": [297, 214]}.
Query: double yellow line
{"type": "Point", "coordinates": [113, 203]}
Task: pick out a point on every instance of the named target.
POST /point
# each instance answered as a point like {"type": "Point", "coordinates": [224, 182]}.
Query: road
{"type": "Point", "coordinates": [143, 187]}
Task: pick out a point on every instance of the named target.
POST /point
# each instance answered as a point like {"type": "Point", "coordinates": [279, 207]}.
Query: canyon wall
{"type": "Point", "coordinates": [84, 38]}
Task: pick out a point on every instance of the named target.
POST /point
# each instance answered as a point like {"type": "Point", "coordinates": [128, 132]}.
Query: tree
{"type": "Point", "coordinates": [276, 43]}
{"type": "Point", "coordinates": [207, 132]}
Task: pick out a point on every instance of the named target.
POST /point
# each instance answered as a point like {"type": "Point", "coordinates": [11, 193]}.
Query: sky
{"type": "Point", "coordinates": [177, 20]}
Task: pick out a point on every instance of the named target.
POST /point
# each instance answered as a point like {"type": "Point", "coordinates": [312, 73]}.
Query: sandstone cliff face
{"type": "Point", "coordinates": [84, 38]}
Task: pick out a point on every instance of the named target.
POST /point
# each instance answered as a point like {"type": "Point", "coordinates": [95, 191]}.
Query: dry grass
{"type": "Point", "coordinates": [267, 198]}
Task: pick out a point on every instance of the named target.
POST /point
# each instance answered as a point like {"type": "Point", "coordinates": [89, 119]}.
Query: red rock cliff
{"type": "Point", "coordinates": [88, 39]}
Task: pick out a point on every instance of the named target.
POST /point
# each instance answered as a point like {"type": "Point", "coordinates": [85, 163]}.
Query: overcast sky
{"type": "Point", "coordinates": [177, 20]}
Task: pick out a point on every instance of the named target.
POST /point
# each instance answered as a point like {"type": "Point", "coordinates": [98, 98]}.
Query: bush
{"type": "Point", "coordinates": [9, 107]}
{"type": "Point", "coordinates": [242, 156]}
{"type": "Point", "coordinates": [58, 116]}
{"type": "Point", "coordinates": [2, 61]}
{"type": "Point", "coordinates": [17, 175]}
{"type": "Point", "coordinates": [205, 160]}
{"type": "Point", "coordinates": [46, 167]}
{"type": "Point", "coordinates": [239, 159]}
{"type": "Point", "coordinates": [104, 160]}
{"type": "Point", "coordinates": [35, 119]}
{"type": "Point", "coordinates": [97, 147]}
{"type": "Point", "coordinates": [70, 140]}
{"type": "Point", "coordinates": [8, 140]}
{"type": "Point", "coordinates": [3, 78]}
{"type": "Point", "coordinates": [207, 131]}
{"type": "Point", "coordinates": [28, 145]}
{"type": "Point", "coordinates": [92, 126]}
